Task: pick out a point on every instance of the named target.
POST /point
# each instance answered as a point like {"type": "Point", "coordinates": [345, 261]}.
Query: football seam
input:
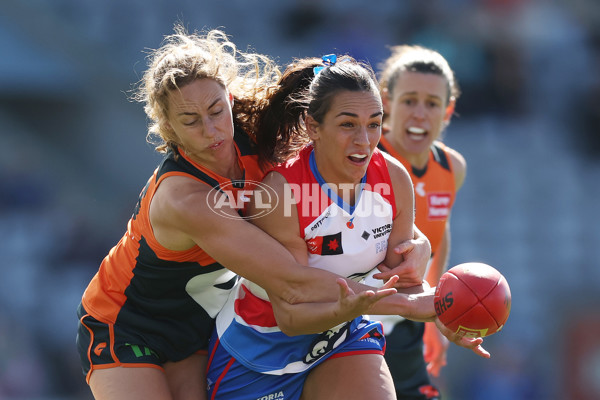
{"type": "Point", "coordinates": [479, 300]}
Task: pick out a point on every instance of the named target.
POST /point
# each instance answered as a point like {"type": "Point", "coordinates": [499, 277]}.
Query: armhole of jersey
{"type": "Point", "coordinates": [441, 157]}
{"type": "Point", "coordinates": [152, 241]}
{"type": "Point", "coordinates": [387, 178]}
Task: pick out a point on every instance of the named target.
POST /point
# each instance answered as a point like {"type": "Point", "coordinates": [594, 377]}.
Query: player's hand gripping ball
{"type": "Point", "coordinates": [473, 299]}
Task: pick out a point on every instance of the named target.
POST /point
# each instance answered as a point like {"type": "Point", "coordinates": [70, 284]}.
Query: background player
{"type": "Point", "coordinates": [419, 93]}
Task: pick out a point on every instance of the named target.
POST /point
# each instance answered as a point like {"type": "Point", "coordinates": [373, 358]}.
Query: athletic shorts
{"type": "Point", "coordinates": [102, 345]}
{"type": "Point", "coordinates": [404, 356]}
{"type": "Point", "coordinates": [231, 380]}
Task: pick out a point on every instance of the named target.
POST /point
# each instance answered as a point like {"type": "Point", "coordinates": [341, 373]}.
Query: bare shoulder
{"type": "Point", "coordinates": [179, 196]}
{"type": "Point", "coordinates": [398, 172]}
{"type": "Point", "coordinates": [402, 184]}
{"type": "Point", "coordinates": [182, 209]}
{"type": "Point", "coordinates": [278, 215]}
{"type": "Point", "coordinates": [271, 206]}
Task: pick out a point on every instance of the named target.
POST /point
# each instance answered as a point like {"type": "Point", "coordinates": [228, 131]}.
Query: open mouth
{"type": "Point", "coordinates": [358, 158]}
{"type": "Point", "coordinates": [416, 133]}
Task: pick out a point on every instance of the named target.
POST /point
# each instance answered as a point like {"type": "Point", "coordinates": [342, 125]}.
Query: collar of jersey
{"type": "Point", "coordinates": [329, 191]}
{"type": "Point", "coordinates": [237, 183]}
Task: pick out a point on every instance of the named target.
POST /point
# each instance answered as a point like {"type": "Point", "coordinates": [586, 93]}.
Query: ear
{"type": "Point", "coordinates": [230, 98]}
{"type": "Point", "coordinates": [449, 110]}
{"type": "Point", "coordinates": [385, 100]}
{"type": "Point", "coordinates": [311, 127]}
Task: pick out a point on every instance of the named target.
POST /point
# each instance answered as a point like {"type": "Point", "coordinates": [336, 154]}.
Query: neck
{"type": "Point", "coordinates": [227, 168]}
{"type": "Point", "coordinates": [345, 190]}
{"type": "Point", "coordinates": [417, 160]}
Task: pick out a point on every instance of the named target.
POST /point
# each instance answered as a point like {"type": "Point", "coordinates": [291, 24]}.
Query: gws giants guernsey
{"type": "Point", "coordinates": [170, 298]}
{"type": "Point", "coordinates": [434, 190]}
{"type": "Point", "coordinates": [347, 240]}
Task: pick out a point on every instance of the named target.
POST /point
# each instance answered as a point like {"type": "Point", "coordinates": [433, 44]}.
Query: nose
{"type": "Point", "coordinates": [361, 138]}
{"type": "Point", "coordinates": [210, 129]}
{"type": "Point", "coordinates": [419, 111]}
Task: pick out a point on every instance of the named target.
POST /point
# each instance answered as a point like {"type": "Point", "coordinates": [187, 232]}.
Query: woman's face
{"type": "Point", "coordinates": [344, 142]}
{"type": "Point", "coordinates": [201, 118]}
{"type": "Point", "coordinates": [418, 111]}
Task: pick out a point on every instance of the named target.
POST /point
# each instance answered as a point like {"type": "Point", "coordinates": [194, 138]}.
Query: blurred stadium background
{"type": "Point", "coordinates": [75, 159]}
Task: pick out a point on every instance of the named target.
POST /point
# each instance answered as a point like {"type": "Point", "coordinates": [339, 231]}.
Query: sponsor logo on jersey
{"type": "Point", "coordinates": [320, 221]}
{"type": "Point", "coordinates": [381, 246]}
{"type": "Point", "coordinates": [273, 396]}
{"type": "Point", "coordinates": [381, 230]}
{"type": "Point", "coordinates": [328, 245]}
{"type": "Point", "coordinates": [438, 205]}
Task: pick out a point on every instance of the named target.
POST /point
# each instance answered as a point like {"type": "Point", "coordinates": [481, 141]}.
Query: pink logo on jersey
{"type": "Point", "coordinates": [438, 205]}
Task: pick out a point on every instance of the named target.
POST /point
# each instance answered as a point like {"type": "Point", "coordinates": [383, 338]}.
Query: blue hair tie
{"type": "Point", "coordinates": [328, 61]}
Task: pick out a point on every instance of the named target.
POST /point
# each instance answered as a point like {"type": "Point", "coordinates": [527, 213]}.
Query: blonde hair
{"type": "Point", "coordinates": [416, 59]}
{"type": "Point", "coordinates": [185, 57]}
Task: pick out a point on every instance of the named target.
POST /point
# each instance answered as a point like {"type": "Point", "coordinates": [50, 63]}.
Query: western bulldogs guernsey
{"type": "Point", "coordinates": [347, 240]}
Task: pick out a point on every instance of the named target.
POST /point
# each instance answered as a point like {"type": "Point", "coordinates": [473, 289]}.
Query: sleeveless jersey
{"type": "Point", "coordinates": [434, 190]}
{"type": "Point", "coordinates": [347, 240]}
{"type": "Point", "coordinates": [170, 298]}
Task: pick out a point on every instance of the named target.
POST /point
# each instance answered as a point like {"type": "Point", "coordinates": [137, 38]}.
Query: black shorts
{"type": "Point", "coordinates": [102, 345]}
{"type": "Point", "coordinates": [404, 356]}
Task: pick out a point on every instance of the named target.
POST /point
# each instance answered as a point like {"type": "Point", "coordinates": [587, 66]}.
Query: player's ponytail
{"type": "Point", "coordinates": [279, 126]}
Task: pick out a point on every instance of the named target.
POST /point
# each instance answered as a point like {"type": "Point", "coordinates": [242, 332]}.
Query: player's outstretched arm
{"type": "Point", "coordinates": [305, 318]}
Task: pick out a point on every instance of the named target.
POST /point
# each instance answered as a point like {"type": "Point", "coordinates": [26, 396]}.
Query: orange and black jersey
{"type": "Point", "coordinates": [435, 190]}
{"type": "Point", "coordinates": [169, 298]}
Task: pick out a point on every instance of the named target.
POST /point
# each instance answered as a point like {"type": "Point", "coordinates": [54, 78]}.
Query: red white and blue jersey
{"type": "Point", "coordinates": [346, 240]}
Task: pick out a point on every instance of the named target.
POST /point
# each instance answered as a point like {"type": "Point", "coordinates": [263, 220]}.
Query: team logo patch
{"type": "Point", "coordinates": [328, 245]}
{"type": "Point", "coordinates": [326, 342]}
{"type": "Point", "coordinates": [350, 224]}
{"type": "Point", "coordinates": [438, 205]}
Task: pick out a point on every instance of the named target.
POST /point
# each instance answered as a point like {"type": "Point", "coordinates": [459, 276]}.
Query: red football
{"type": "Point", "coordinates": [473, 298]}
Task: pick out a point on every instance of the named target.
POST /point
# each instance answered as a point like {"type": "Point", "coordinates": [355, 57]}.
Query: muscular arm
{"type": "Point", "coordinates": [182, 215]}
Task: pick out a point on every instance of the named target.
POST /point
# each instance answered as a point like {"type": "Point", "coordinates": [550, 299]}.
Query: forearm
{"type": "Point", "coordinates": [306, 318]}
{"type": "Point", "coordinates": [415, 303]}
{"type": "Point", "coordinates": [416, 307]}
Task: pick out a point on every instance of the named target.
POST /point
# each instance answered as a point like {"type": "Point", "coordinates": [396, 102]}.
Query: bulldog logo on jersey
{"type": "Point", "coordinates": [328, 245]}
{"type": "Point", "coordinates": [326, 342]}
